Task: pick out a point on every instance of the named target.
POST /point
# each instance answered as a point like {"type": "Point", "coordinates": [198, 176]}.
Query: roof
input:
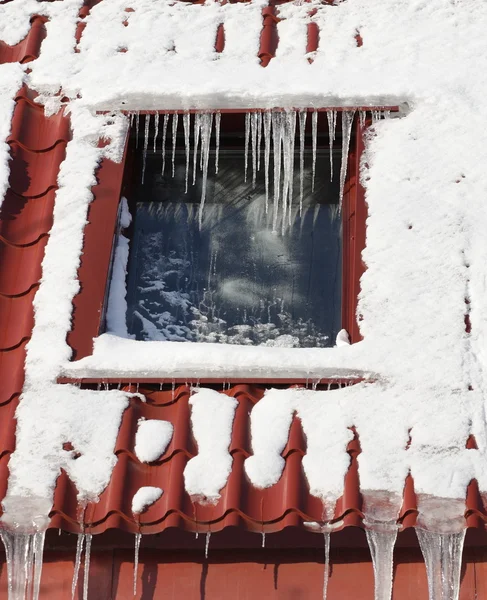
{"type": "Point", "coordinates": [38, 146]}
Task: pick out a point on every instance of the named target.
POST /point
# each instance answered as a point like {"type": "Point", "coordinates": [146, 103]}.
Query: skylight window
{"type": "Point", "coordinates": [239, 242]}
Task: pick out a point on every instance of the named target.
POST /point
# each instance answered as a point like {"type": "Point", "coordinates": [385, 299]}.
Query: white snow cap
{"type": "Point", "coordinates": [145, 497]}
{"type": "Point", "coordinates": [152, 439]}
{"type": "Point", "coordinates": [212, 417]}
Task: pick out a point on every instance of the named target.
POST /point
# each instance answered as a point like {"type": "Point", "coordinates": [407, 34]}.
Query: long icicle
{"type": "Point", "coordinates": [187, 128]}
{"type": "Point", "coordinates": [277, 142]}
{"type": "Point", "coordinates": [207, 543]}
{"type": "Point", "coordinates": [156, 131]}
{"type": "Point", "coordinates": [362, 116]}
{"type": "Point", "coordinates": [381, 544]}
{"type": "Point", "coordinates": [292, 142]}
{"type": "Point", "coordinates": [218, 118]}
{"type": "Point", "coordinates": [326, 574]}
{"type": "Point", "coordinates": [77, 564]}
{"type": "Point", "coordinates": [253, 129]}
{"type": "Point", "coordinates": [314, 141]}
{"type": "Point", "coordinates": [347, 120]}
{"type": "Point", "coordinates": [267, 153]}
{"type": "Point", "coordinates": [302, 128]}
{"type": "Point", "coordinates": [332, 121]}
{"type": "Point", "coordinates": [175, 118]}
{"type": "Point", "coordinates": [259, 138]}
{"type": "Point", "coordinates": [146, 144]}
{"type": "Point", "coordinates": [197, 128]}
{"type": "Point", "coordinates": [164, 136]}
{"type": "Point", "coordinates": [86, 578]}
{"type": "Point", "coordinates": [39, 539]}
{"type": "Point", "coordinates": [247, 140]}
{"type": "Point", "coordinates": [138, 537]}
{"type": "Point", "coordinates": [207, 123]}
{"type": "Point", "coordinates": [137, 124]}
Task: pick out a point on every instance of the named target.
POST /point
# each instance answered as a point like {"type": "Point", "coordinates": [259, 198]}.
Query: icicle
{"type": "Point", "coordinates": [326, 536]}
{"type": "Point", "coordinates": [314, 135]}
{"type": "Point", "coordinates": [77, 564]}
{"type": "Point", "coordinates": [332, 121]}
{"type": "Point", "coordinates": [381, 544]}
{"type": "Point", "coordinates": [267, 153]}
{"type": "Point", "coordinates": [288, 140]}
{"type": "Point", "coordinates": [132, 115]}
{"type": "Point", "coordinates": [259, 138]}
{"type": "Point", "coordinates": [175, 119]}
{"type": "Point", "coordinates": [138, 536]}
{"type": "Point", "coordinates": [386, 114]}
{"type": "Point", "coordinates": [86, 578]}
{"type": "Point", "coordinates": [277, 126]}
{"type": "Point", "coordinates": [156, 130]}
{"type": "Point", "coordinates": [197, 128]}
{"type": "Point", "coordinates": [218, 118]}
{"type": "Point", "coordinates": [362, 115]}
{"type": "Point", "coordinates": [376, 114]}
{"type": "Point", "coordinates": [247, 139]}
{"type": "Point", "coordinates": [207, 543]}
{"type": "Point", "coordinates": [206, 125]}
{"type": "Point", "coordinates": [263, 539]}
{"type": "Point", "coordinates": [187, 127]}
{"type": "Point", "coordinates": [173, 389]}
{"type": "Point", "coordinates": [137, 123]}
{"type": "Point", "coordinates": [23, 553]}
{"type": "Point", "coordinates": [442, 554]}
{"type": "Point", "coordinates": [146, 144]}
{"type": "Point", "coordinates": [347, 120]}
{"type": "Point", "coordinates": [302, 127]}
{"type": "Point", "coordinates": [253, 130]}
{"type": "Point", "coordinates": [164, 135]}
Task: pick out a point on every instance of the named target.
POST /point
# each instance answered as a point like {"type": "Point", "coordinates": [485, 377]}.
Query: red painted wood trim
{"type": "Point", "coordinates": [95, 260]}
{"type": "Point", "coordinates": [354, 218]}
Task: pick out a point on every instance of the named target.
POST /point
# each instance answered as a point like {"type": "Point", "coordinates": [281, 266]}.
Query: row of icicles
{"type": "Point", "coordinates": [442, 554]}
{"type": "Point", "coordinates": [262, 128]}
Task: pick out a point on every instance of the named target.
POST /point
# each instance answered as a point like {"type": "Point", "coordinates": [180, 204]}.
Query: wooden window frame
{"type": "Point", "coordinates": [99, 234]}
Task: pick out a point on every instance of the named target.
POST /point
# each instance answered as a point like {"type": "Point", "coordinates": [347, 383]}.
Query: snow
{"type": "Point", "coordinates": [152, 439]}
{"type": "Point", "coordinates": [426, 253]}
{"type": "Point", "coordinates": [212, 417]}
{"type": "Point", "coordinates": [145, 497]}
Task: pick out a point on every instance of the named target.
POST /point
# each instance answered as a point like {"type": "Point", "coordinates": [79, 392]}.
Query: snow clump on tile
{"type": "Point", "coordinates": [152, 439]}
{"type": "Point", "coordinates": [145, 497]}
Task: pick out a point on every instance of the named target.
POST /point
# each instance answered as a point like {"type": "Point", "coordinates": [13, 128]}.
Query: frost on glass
{"type": "Point", "coordinates": [217, 263]}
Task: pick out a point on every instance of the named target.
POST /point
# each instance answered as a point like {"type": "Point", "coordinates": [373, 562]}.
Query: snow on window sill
{"type": "Point", "coordinates": [116, 357]}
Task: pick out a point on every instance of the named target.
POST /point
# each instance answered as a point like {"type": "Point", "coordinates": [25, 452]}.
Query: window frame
{"type": "Point", "coordinates": [101, 228]}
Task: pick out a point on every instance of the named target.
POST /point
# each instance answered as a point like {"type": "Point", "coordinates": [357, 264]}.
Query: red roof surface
{"type": "Point", "coordinates": [38, 146]}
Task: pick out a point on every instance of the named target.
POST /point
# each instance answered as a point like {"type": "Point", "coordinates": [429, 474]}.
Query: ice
{"type": "Point", "coordinates": [86, 577]}
{"type": "Point", "coordinates": [137, 124]}
{"type": "Point", "coordinates": [277, 129]}
{"type": "Point", "coordinates": [187, 128]}
{"type": "Point", "coordinates": [382, 539]}
{"type": "Point", "coordinates": [138, 537]}
{"type": "Point", "coordinates": [263, 539]}
{"type": "Point", "coordinates": [259, 138]}
{"type": "Point", "coordinates": [146, 144]}
{"type": "Point", "coordinates": [326, 574]}
{"type": "Point", "coordinates": [288, 141]}
{"type": "Point", "coordinates": [332, 121]}
{"type": "Point", "coordinates": [362, 115]}
{"type": "Point", "coordinates": [267, 154]}
{"type": "Point", "coordinates": [347, 120]}
{"type": "Point", "coordinates": [443, 558]}
{"type": "Point", "coordinates": [77, 563]}
{"type": "Point", "coordinates": [23, 553]}
{"type": "Point", "coordinates": [207, 543]}
{"type": "Point", "coordinates": [164, 136]}
{"type": "Point", "coordinates": [197, 128]}
{"type": "Point", "coordinates": [156, 130]}
{"type": "Point", "coordinates": [247, 141]}
{"type": "Point", "coordinates": [314, 135]}
{"type": "Point", "coordinates": [218, 118]}
{"type": "Point", "coordinates": [206, 125]}
{"type": "Point", "coordinates": [254, 125]}
{"type": "Point", "coordinates": [376, 115]}
{"type": "Point", "coordinates": [175, 119]}
{"type": "Point", "coordinates": [302, 127]}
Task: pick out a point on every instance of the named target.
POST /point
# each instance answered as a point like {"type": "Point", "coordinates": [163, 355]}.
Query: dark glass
{"type": "Point", "coordinates": [244, 276]}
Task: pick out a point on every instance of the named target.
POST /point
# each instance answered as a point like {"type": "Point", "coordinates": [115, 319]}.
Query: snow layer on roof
{"type": "Point", "coordinates": [426, 253]}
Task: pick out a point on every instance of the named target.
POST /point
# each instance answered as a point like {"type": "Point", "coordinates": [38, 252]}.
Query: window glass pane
{"type": "Point", "coordinates": [250, 274]}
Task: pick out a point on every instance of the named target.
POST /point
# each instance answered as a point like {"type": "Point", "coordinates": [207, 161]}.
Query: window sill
{"type": "Point", "coordinates": [118, 358]}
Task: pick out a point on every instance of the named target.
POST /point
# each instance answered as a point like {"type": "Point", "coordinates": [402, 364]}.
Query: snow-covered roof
{"type": "Point", "coordinates": [425, 250]}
